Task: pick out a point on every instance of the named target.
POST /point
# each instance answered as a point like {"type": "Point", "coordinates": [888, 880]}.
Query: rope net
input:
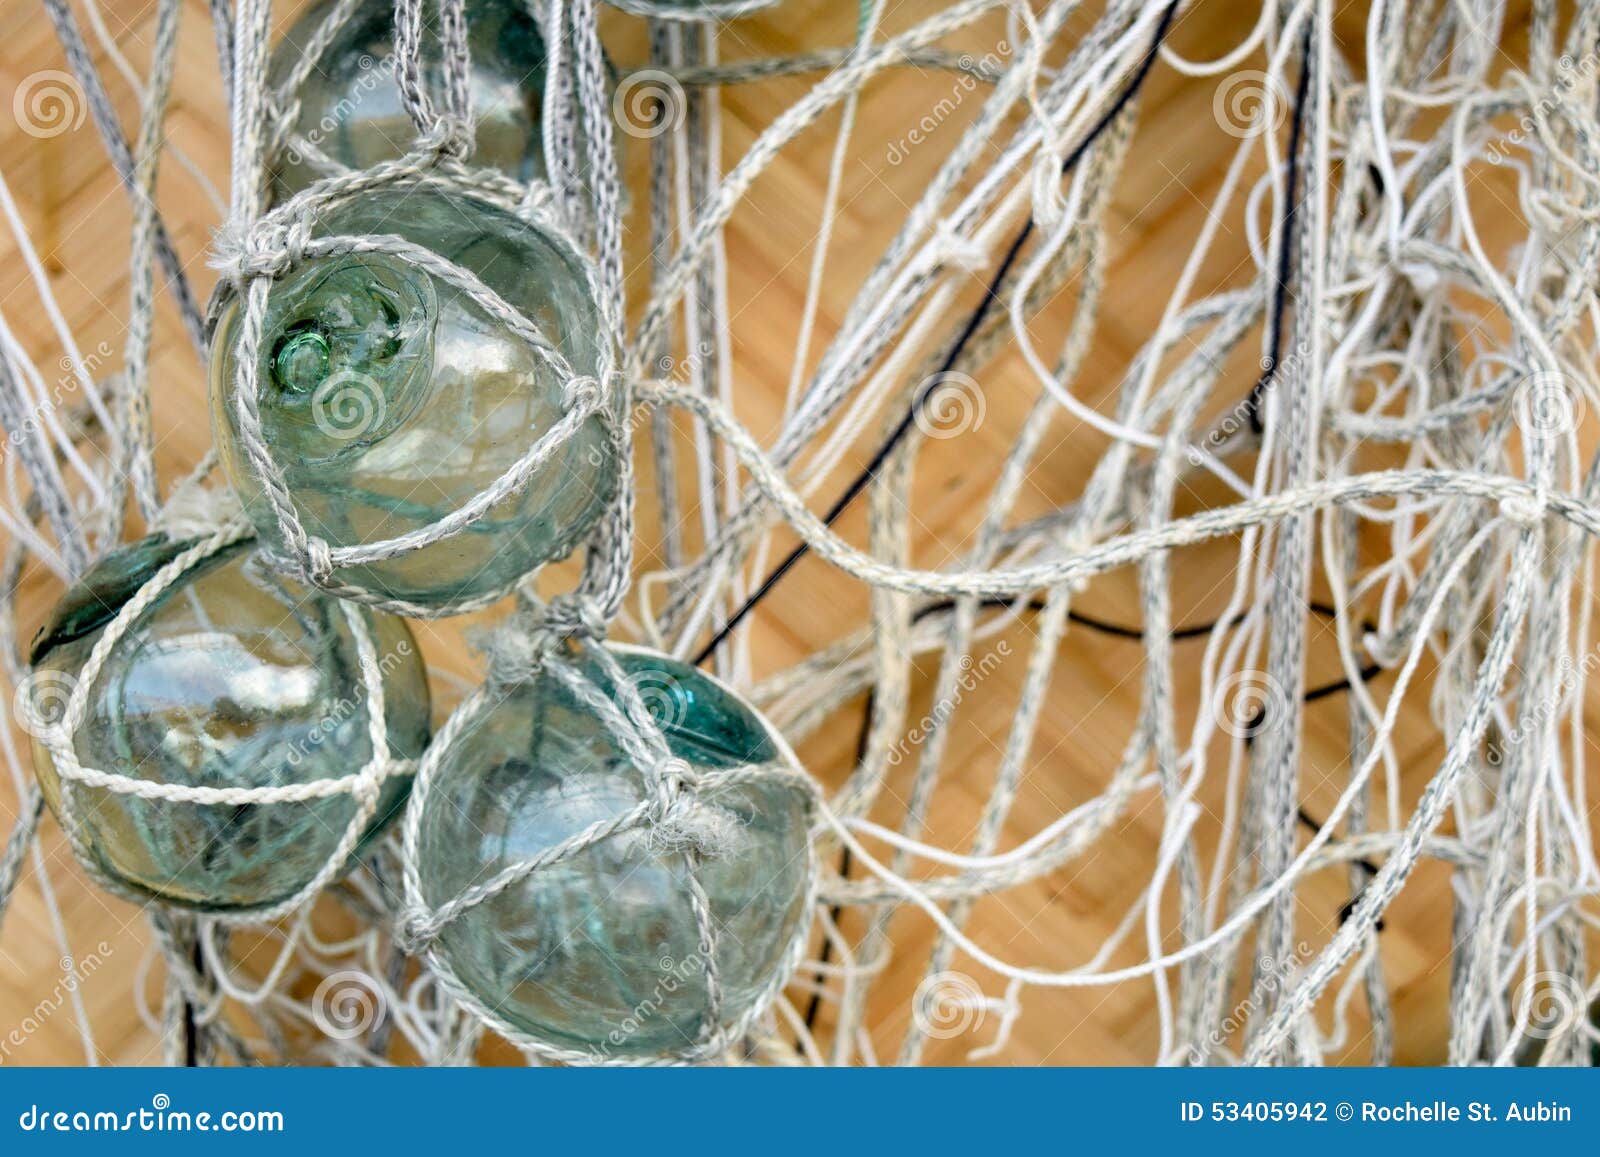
{"type": "Point", "coordinates": [1367, 433]}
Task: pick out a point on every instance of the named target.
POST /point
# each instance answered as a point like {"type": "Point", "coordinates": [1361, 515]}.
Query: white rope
{"type": "Point", "coordinates": [1414, 451]}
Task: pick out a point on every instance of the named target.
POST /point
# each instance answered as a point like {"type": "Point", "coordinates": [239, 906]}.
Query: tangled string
{"type": "Point", "coordinates": [1379, 428]}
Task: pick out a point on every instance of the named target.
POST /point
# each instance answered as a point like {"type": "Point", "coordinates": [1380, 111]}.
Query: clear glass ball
{"type": "Point", "coordinates": [350, 107]}
{"type": "Point", "coordinates": [234, 677]}
{"type": "Point", "coordinates": [390, 399]}
{"type": "Point", "coordinates": [600, 953]}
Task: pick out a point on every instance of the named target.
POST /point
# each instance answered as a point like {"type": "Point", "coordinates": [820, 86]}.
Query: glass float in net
{"type": "Point", "coordinates": [390, 398]}
{"type": "Point", "coordinates": [234, 677]}
{"type": "Point", "coordinates": [349, 100]}
{"type": "Point", "coordinates": [600, 955]}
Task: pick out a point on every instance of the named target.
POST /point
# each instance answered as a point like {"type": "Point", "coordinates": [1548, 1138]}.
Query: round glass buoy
{"type": "Point", "coordinates": [349, 101]}
{"type": "Point", "coordinates": [599, 954]}
{"type": "Point", "coordinates": [233, 677]}
{"type": "Point", "coordinates": [389, 399]}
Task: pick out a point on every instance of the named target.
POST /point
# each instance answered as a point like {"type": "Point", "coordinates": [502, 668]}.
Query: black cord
{"type": "Point", "coordinates": [1252, 403]}
{"type": "Point", "coordinates": [191, 1031]}
{"type": "Point", "coordinates": [1291, 208]}
{"type": "Point", "coordinates": [968, 331]}
{"type": "Point", "coordinates": [837, 910]}
{"type": "Point", "coordinates": [1310, 821]}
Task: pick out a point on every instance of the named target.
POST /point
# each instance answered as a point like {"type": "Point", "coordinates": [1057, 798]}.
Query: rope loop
{"type": "Point", "coordinates": [949, 249]}
{"type": "Point", "coordinates": [318, 561]}
{"type": "Point", "coordinates": [672, 776]}
{"type": "Point", "coordinates": [449, 138]}
{"type": "Point", "coordinates": [574, 615]}
{"type": "Point", "coordinates": [1524, 509]}
{"type": "Point", "coordinates": [270, 248]}
{"type": "Point", "coordinates": [580, 393]}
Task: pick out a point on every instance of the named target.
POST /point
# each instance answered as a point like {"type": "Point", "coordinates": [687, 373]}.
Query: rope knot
{"type": "Point", "coordinates": [368, 785]}
{"type": "Point", "coordinates": [1076, 544]}
{"type": "Point", "coordinates": [517, 649]}
{"type": "Point", "coordinates": [413, 933]}
{"type": "Point", "coordinates": [194, 510]}
{"type": "Point", "coordinates": [268, 249]}
{"type": "Point", "coordinates": [318, 561]}
{"type": "Point", "coordinates": [949, 249]}
{"type": "Point", "coordinates": [575, 615]}
{"type": "Point", "coordinates": [683, 821]}
{"type": "Point", "coordinates": [538, 202]}
{"type": "Point", "coordinates": [1049, 203]}
{"type": "Point", "coordinates": [580, 392]}
{"type": "Point", "coordinates": [449, 138]}
{"type": "Point", "coordinates": [1524, 510]}
{"type": "Point", "coordinates": [671, 775]}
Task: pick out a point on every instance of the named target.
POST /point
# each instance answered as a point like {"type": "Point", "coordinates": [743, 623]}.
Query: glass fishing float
{"type": "Point", "coordinates": [389, 397]}
{"type": "Point", "coordinates": [599, 955]}
{"type": "Point", "coordinates": [349, 105]}
{"type": "Point", "coordinates": [233, 677]}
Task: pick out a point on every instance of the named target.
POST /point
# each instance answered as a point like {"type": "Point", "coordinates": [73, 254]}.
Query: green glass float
{"type": "Point", "coordinates": [389, 398]}
{"type": "Point", "coordinates": [233, 677]}
{"type": "Point", "coordinates": [599, 954]}
{"type": "Point", "coordinates": [350, 107]}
